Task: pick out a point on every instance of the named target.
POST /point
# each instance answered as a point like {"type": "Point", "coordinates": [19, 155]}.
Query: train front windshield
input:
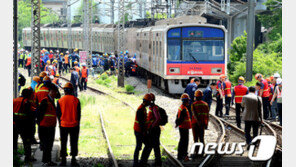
{"type": "Point", "coordinates": [196, 44]}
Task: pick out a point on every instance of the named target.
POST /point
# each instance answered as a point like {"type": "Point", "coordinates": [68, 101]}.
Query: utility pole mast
{"type": "Point", "coordinates": [120, 28]}
{"type": "Point", "coordinates": [15, 61]}
{"type": "Point", "coordinates": [69, 26]}
{"type": "Point", "coordinates": [86, 31]}
{"type": "Point", "coordinates": [250, 38]}
{"type": "Point", "coordinates": [35, 29]}
{"type": "Point", "coordinates": [112, 11]}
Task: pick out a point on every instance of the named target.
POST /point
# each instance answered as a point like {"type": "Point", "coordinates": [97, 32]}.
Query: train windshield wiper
{"type": "Point", "coordinates": [193, 58]}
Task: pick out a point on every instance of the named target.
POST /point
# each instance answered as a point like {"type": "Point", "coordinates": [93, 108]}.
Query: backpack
{"type": "Point", "coordinates": [163, 117]}
{"type": "Point", "coordinates": [22, 80]}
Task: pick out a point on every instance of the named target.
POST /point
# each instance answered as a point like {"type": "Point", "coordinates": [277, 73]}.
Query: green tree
{"type": "Point", "coordinates": [272, 19]}
{"type": "Point", "coordinates": [78, 18]}
{"type": "Point", "coordinates": [24, 16]}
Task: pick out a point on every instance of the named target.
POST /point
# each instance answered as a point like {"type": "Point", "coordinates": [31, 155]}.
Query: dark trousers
{"type": "Point", "coordinates": [24, 130]}
{"type": "Point", "coordinates": [248, 126]}
{"type": "Point", "coordinates": [219, 107]}
{"type": "Point", "coordinates": [46, 135]}
{"type": "Point", "coordinates": [265, 107]}
{"type": "Point", "coordinates": [61, 69]}
{"type": "Point", "coordinates": [153, 143]}
{"type": "Point", "coordinates": [238, 110]}
{"type": "Point", "coordinates": [279, 107]}
{"type": "Point", "coordinates": [29, 70]}
{"type": "Point", "coordinates": [227, 104]}
{"type": "Point", "coordinates": [66, 66]}
{"type": "Point", "coordinates": [83, 83]}
{"type": "Point", "coordinates": [183, 143]}
{"type": "Point", "coordinates": [21, 62]}
{"type": "Point", "coordinates": [75, 90]}
{"type": "Point", "coordinates": [139, 142]}
{"type": "Point", "coordinates": [74, 135]}
{"type": "Point", "coordinates": [198, 133]}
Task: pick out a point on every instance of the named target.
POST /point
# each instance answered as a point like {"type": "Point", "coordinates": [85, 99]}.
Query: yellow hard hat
{"type": "Point", "coordinates": [48, 61]}
{"type": "Point", "coordinates": [62, 53]}
{"type": "Point", "coordinates": [198, 93]}
{"type": "Point", "coordinates": [75, 62]}
{"type": "Point", "coordinates": [241, 78]}
{"type": "Point", "coordinates": [57, 75]}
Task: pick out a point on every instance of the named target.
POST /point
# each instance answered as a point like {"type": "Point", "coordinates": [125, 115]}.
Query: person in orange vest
{"type": "Point", "coordinates": [227, 93]}
{"type": "Point", "coordinates": [43, 91]}
{"type": "Point", "coordinates": [140, 127]}
{"type": "Point", "coordinates": [264, 93]}
{"type": "Point", "coordinates": [66, 61]}
{"type": "Point", "coordinates": [183, 121]}
{"type": "Point", "coordinates": [56, 80]}
{"type": "Point", "coordinates": [47, 119]}
{"type": "Point", "coordinates": [28, 65]}
{"type": "Point", "coordinates": [200, 111]}
{"type": "Point", "coordinates": [220, 95]}
{"type": "Point", "coordinates": [22, 117]}
{"type": "Point", "coordinates": [237, 94]}
{"type": "Point", "coordinates": [84, 76]}
{"type": "Point", "coordinates": [69, 114]}
{"type": "Point", "coordinates": [153, 130]}
{"type": "Point", "coordinates": [40, 84]}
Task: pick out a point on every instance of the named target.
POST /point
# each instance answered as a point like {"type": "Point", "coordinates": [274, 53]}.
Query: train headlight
{"type": "Point", "coordinates": [216, 70]}
{"type": "Point", "coordinates": [174, 70]}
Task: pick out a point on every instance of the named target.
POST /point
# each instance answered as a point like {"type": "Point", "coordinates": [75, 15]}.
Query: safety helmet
{"type": "Point", "coordinates": [276, 75]}
{"type": "Point", "coordinates": [68, 85]}
{"type": "Point", "coordinates": [36, 79]}
{"type": "Point", "coordinates": [75, 62]}
{"type": "Point", "coordinates": [222, 76]}
{"type": "Point", "coordinates": [48, 61]}
{"type": "Point", "coordinates": [152, 97]}
{"type": "Point", "coordinates": [67, 51]}
{"type": "Point", "coordinates": [271, 78]}
{"type": "Point", "coordinates": [268, 79]}
{"type": "Point", "coordinates": [241, 79]}
{"type": "Point", "coordinates": [42, 74]}
{"type": "Point", "coordinates": [279, 81]}
{"type": "Point", "coordinates": [185, 96]}
{"type": "Point", "coordinates": [258, 75]}
{"type": "Point", "coordinates": [51, 77]}
{"type": "Point", "coordinates": [75, 50]}
{"type": "Point", "coordinates": [50, 51]}
{"type": "Point", "coordinates": [83, 64]}
{"type": "Point", "coordinates": [147, 97]}
{"type": "Point", "coordinates": [62, 54]}
{"type": "Point", "coordinates": [58, 51]}
{"type": "Point", "coordinates": [198, 93]}
{"type": "Point", "coordinates": [46, 78]}
{"type": "Point", "coordinates": [57, 75]}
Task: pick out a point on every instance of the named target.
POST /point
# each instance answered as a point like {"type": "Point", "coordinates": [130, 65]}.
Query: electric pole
{"type": "Point", "coordinates": [87, 31]}
{"type": "Point", "coordinates": [69, 26]}
{"type": "Point", "coordinates": [250, 38]}
{"type": "Point", "coordinates": [120, 28]}
{"type": "Point", "coordinates": [15, 61]}
{"type": "Point", "coordinates": [35, 29]}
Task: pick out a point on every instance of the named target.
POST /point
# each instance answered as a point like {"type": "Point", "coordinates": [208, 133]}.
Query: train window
{"type": "Point", "coordinates": [194, 50]}
{"type": "Point", "coordinates": [174, 47]}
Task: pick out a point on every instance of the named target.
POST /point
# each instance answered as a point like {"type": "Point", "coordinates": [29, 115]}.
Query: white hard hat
{"type": "Point", "coordinates": [279, 81]}
{"type": "Point", "coordinates": [83, 64]}
{"type": "Point", "coordinates": [51, 77]}
{"type": "Point", "coordinates": [276, 75]}
{"type": "Point", "coordinates": [50, 67]}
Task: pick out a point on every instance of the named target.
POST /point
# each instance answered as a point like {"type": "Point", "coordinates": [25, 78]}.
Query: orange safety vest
{"type": "Point", "coordinates": [66, 59]}
{"type": "Point", "coordinates": [137, 127]}
{"type": "Point", "coordinates": [239, 91]}
{"type": "Point", "coordinates": [186, 124]}
{"type": "Point", "coordinates": [77, 69]}
{"type": "Point", "coordinates": [17, 110]}
{"type": "Point", "coordinates": [265, 89]}
{"type": "Point", "coordinates": [200, 113]}
{"type": "Point", "coordinates": [28, 61]}
{"type": "Point", "coordinates": [55, 80]}
{"type": "Point", "coordinates": [50, 116]}
{"type": "Point", "coordinates": [227, 90]}
{"type": "Point", "coordinates": [84, 72]}
{"type": "Point", "coordinates": [41, 94]}
{"type": "Point", "coordinates": [150, 116]}
{"type": "Point", "coordinates": [68, 105]}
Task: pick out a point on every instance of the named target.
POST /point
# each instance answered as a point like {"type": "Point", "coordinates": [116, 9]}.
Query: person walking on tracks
{"type": "Point", "coordinates": [200, 117]}
{"type": "Point", "coordinates": [238, 92]}
{"type": "Point", "coordinates": [74, 80]}
{"type": "Point", "coordinates": [220, 95]}
{"type": "Point", "coordinates": [84, 76]}
{"type": "Point", "coordinates": [69, 115]}
{"type": "Point", "coordinates": [190, 89]}
{"type": "Point", "coordinates": [22, 117]}
{"type": "Point", "coordinates": [66, 61]}
{"type": "Point", "coordinates": [208, 94]}
{"type": "Point", "coordinates": [47, 119]}
{"type": "Point", "coordinates": [153, 127]}
{"type": "Point", "coordinates": [252, 114]}
{"type": "Point", "coordinates": [183, 121]}
{"type": "Point", "coordinates": [140, 128]}
{"type": "Point", "coordinates": [264, 93]}
{"type": "Point", "coordinates": [278, 95]}
{"type": "Point", "coordinates": [227, 93]}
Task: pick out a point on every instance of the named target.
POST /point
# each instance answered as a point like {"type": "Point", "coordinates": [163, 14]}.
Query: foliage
{"type": "Point", "coordinates": [17, 160]}
{"type": "Point", "coordinates": [24, 16]}
{"type": "Point", "coordinates": [104, 80]}
{"type": "Point", "coordinates": [156, 15]}
{"type": "Point", "coordinates": [272, 19]}
{"type": "Point", "coordinates": [85, 100]}
{"type": "Point", "coordinates": [129, 88]}
{"type": "Point", "coordinates": [78, 18]}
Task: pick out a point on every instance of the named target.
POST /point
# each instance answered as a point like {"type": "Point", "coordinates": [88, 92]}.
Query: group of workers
{"type": "Point", "coordinates": [42, 104]}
